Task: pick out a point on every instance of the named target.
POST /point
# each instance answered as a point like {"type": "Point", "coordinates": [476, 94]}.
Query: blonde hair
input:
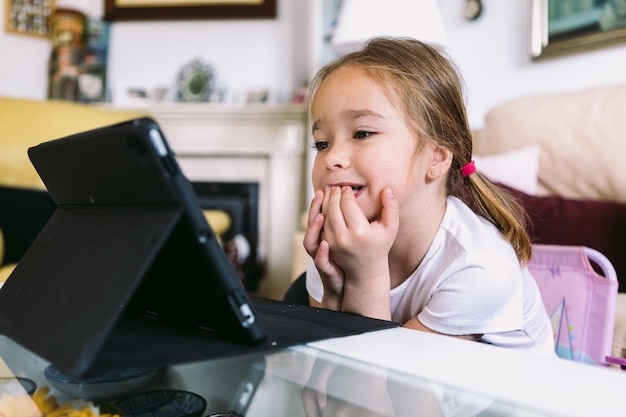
{"type": "Point", "coordinates": [427, 88]}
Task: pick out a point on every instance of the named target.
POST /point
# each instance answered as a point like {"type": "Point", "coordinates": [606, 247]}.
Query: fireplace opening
{"type": "Point", "coordinates": [240, 200]}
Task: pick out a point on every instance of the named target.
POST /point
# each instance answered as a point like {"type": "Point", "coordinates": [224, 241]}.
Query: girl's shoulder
{"type": "Point", "coordinates": [469, 228]}
{"type": "Point", "coordinates": [463, 233]}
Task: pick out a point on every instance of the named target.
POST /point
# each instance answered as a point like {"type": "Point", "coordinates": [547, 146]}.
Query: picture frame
{"type": "Point", "coordinates": [142, 10]}
{"type": "Point", "coordinates": [29, 17]}
{"type": "Point", "coordinates": [560, 27]}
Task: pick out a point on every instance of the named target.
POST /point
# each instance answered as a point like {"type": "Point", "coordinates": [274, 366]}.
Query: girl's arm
{"type": "Point", "coordinates": [415, 324]}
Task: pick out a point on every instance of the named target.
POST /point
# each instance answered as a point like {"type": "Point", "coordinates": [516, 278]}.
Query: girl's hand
{"type": "Point", "coordinates": [314, 393]}
{"type": "Point", "coordinates": [318, 249]}
{"type": "Point", "coordinates": [360, 248]}
{"type": "Point", "coordinates": [324, 381]}
{"type": "Point", "coordinates": [356, 244]}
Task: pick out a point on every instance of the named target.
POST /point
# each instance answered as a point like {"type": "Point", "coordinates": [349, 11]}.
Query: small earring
{"type": "Point", "coordinates": [433, 173]}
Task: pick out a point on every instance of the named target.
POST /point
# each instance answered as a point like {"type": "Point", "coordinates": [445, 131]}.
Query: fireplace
{"type": "Point", "coordinates": [241, 241]}
{"type": "Point", "coordinates": [264, 145]}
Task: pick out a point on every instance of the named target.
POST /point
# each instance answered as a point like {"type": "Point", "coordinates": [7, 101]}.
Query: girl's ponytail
{"type": "Point", "coordinates": [501, 208]}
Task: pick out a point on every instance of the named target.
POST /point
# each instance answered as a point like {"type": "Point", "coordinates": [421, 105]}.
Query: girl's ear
{"type": "Point", "coordinates": [440, 161]}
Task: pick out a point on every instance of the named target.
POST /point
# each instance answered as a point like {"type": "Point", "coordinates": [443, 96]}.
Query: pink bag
{"type": "Point", "coordinates": [579, 301]}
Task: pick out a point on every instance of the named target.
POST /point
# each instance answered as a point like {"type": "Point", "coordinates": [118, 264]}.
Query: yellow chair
{"type": "Point", "coordinates": [25, 123]}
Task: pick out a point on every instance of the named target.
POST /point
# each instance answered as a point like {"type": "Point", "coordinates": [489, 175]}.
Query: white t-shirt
{"type": "Point", "coordinates": [470, 282]}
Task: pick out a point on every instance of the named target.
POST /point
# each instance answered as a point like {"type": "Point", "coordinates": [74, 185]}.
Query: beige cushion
{"type": "Point", "coordinates": [581, 136]}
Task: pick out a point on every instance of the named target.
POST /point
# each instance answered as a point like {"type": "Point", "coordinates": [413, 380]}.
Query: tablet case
{"type": "Point", "coordinates": [127, 273]}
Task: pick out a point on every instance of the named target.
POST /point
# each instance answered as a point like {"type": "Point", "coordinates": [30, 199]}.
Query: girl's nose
{"type": "Point", "coordinates": [337, 156]}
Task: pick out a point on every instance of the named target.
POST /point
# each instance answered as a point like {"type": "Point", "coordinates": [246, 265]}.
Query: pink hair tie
{"type": "Point", "coordinates": [468, 169]}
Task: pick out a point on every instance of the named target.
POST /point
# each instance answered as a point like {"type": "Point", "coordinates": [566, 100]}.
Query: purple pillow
{"type": "Point", "coordinates": [597, 224]}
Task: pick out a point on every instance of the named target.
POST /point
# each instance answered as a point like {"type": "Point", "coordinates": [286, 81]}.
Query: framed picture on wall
{"type": "Point", "coordinates": [29, 17]}
{"type": "Point", "coordinates": [566, 26]}
{"type": "Point", "coordinates": [188, 10]}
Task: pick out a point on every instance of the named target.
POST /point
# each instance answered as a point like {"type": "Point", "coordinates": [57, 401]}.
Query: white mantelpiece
{"type": "Point", "coordinates": [263, 144]}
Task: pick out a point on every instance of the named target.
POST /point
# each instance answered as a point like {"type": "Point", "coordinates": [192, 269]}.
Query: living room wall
{"type": "Point", "coordinates": [492, 53]}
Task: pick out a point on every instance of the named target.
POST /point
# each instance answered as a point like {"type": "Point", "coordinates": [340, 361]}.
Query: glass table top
{"type": "Point", "coordinates": [325, 379]}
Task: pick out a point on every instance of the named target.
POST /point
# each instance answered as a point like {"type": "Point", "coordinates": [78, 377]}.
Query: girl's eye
{"type": "Point", "coordinates": [318, 146]}
{"type": "Point", "coordinates": [362, 134]}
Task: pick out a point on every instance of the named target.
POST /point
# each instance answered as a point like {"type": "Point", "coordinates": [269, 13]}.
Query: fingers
{"type": "Point", "coordinates": [322, 259]}
{"type": "Point", "coordinates": [332, 209]}
{"type": "Point", "coordinates": [310, 403]}
{"type": "Point", "coordinates": [315, 223]}
{"type": "Point", "coordinates": [312, 235]}
{"type": "Point", "coordinates": [321, 373]}
{"type": "Point", "coordinates": [316, 205]}
{"type": "Point", "coordinates": [352, 213]}
{"type": "Point", "coordinates": [342, 209]}
{"type": "Point", "coordinates": [390, 214]}
{"type": "Point", "coordinates": [343, 213]}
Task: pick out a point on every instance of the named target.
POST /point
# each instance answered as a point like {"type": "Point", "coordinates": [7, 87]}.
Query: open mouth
{"type": "Point", "coordinates": [357, 190]}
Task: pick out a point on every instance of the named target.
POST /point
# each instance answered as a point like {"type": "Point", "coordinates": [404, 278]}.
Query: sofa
{"type": "Point", "coordinates": [564, 155]}
{"type": "Point", "coordinates": [25, 205]}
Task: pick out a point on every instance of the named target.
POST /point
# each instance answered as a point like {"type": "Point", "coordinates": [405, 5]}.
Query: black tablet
{"type": "Point", "coordinates": [128, 237]}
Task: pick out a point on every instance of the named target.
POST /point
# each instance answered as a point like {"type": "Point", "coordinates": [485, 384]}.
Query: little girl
{"type": "Point", "coordinates": [401, 226]}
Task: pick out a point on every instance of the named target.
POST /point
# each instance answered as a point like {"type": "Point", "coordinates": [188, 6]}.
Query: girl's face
{"type": "Point", "coordinates": [362, 140]}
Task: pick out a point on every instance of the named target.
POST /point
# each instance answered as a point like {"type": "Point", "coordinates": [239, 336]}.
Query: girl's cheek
{"type": "Point", "coordinates": [317, 173]}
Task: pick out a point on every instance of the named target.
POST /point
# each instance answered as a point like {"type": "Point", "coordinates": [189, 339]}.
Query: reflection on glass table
{"type": "Point", "coordinates": [295, 382]}
{"type": "Point", "coordinates": [395, 372]}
